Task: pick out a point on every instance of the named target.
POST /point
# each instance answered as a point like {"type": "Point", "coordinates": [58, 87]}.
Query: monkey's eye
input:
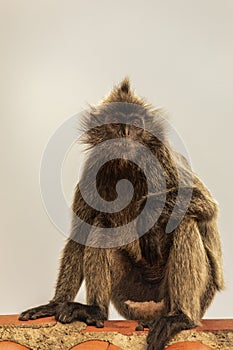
{"type": "Point", "coordinates": [137, 122]}
{"type": "Point", "coordinates": [111, 120]}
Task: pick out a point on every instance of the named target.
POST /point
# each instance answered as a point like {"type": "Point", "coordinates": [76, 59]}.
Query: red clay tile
{"type": "Point", "coordinates": [128, 327]}
{"type": "Point", "coordinates": [13, 319]}
{"type": "Point", "coordinates": [216, 325]}
{"type": "Point", "coordinates": [9, 345]}
{"type": "Point", "coordinates": [92, 345]}
{"type": "Point", "coordinates": [189, 345]}
{"type": "Point", "coordinates": [124, 327]}
{"type": "Point", "coordinates": [113, 347]}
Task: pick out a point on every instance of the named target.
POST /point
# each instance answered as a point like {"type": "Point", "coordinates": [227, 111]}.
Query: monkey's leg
{"type": "Point", "coordinates": [185, 283]}
{"type": "Point", "coordinates": [69, 281]}
{"type": "Point", "coordinates": [166, 327]}
{"type": "Point", "coordinates": [212, 244]}
{"type": "Point", "coordinates": [98, 287]}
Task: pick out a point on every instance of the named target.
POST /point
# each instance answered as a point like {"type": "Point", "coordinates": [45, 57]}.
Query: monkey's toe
{"type": "Point", "coordinates": [143, 324]}
{"type": "Point", "coordinates": [139, 327]}
{"type": "Point", "coordinates": [99, 324]}
{"type": "Point", "coordinates": [95, 322]}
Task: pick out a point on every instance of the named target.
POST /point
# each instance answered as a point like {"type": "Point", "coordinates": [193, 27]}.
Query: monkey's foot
{"type": "Point", "coordinates": [39, 311]}
{"type": "Point", "coordinates": [143, 324]}
{"type": "Point", "coordinates": [70, 311]}
{"type": "Point", "coordinates": [164, 328]}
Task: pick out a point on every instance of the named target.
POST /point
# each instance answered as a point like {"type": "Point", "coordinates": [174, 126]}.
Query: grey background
{"type": "Point", "coordinates": [58, 55]}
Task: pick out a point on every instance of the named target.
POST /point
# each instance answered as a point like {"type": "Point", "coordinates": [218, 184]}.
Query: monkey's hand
{"type": "Point", "coordinates": [39, 311]}
{"type": "Point", "coordinates": [164, 328]}
{"type": "Point", "coordinates": [71, 311]}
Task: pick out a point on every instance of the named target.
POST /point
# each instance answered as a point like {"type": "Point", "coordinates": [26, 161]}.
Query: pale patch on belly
{"type": "Point", "coordinates": [146, 309]}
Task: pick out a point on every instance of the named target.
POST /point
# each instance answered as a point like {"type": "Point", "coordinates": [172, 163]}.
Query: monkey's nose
{"type": "Point", "coordinates": [127, 127]}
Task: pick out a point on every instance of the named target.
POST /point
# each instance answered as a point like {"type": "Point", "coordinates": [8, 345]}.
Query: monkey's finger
{"type": "Point", "coordinates": [90, 321]}
{"type": "Point", "coordinates": [25, 316]}
{"type": "Point", "coordinates": [39, 314]}
{"type": "Point", "coordinates": [64, 317]}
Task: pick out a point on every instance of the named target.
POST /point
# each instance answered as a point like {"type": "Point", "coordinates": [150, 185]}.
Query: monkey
{"type": "Point", "coordinates": [164, 279]}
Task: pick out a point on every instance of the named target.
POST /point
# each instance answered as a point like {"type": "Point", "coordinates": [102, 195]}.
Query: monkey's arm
{"type": "Point", "coordinates": [202, 205]}
{"type": "Point", "coordinates": [196, 202]}
{"type": "Point", "coordinates": [70, 275]}
{"type": "Point", "coordinates": [96, 269]}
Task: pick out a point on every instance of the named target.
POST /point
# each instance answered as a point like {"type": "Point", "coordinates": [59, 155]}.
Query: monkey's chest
{"type": "Point", "coordinates": [120, 177]}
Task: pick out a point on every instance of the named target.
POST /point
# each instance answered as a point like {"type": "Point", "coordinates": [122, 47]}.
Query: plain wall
{"type": "Point", "coordinates": [58, 55]}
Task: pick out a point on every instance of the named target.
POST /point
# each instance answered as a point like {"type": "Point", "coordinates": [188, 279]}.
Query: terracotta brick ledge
{"type": "Point", "coordinates": [47, 334]}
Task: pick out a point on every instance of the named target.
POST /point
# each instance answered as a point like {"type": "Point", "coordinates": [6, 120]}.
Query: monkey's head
{"type": "Point", "coordinates": [122, 114]}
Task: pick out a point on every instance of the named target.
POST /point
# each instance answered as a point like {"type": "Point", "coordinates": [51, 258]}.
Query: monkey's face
{"type": "Point", "coordinates": [126, 121]}
{"type": "Point", "coordinates": [130, 126]}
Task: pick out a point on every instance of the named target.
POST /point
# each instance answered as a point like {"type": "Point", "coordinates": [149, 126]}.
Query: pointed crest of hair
{"type": "Point", "coordinates": [125, 85]}
{"type": "Point", "coordinates": [123, 93]}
